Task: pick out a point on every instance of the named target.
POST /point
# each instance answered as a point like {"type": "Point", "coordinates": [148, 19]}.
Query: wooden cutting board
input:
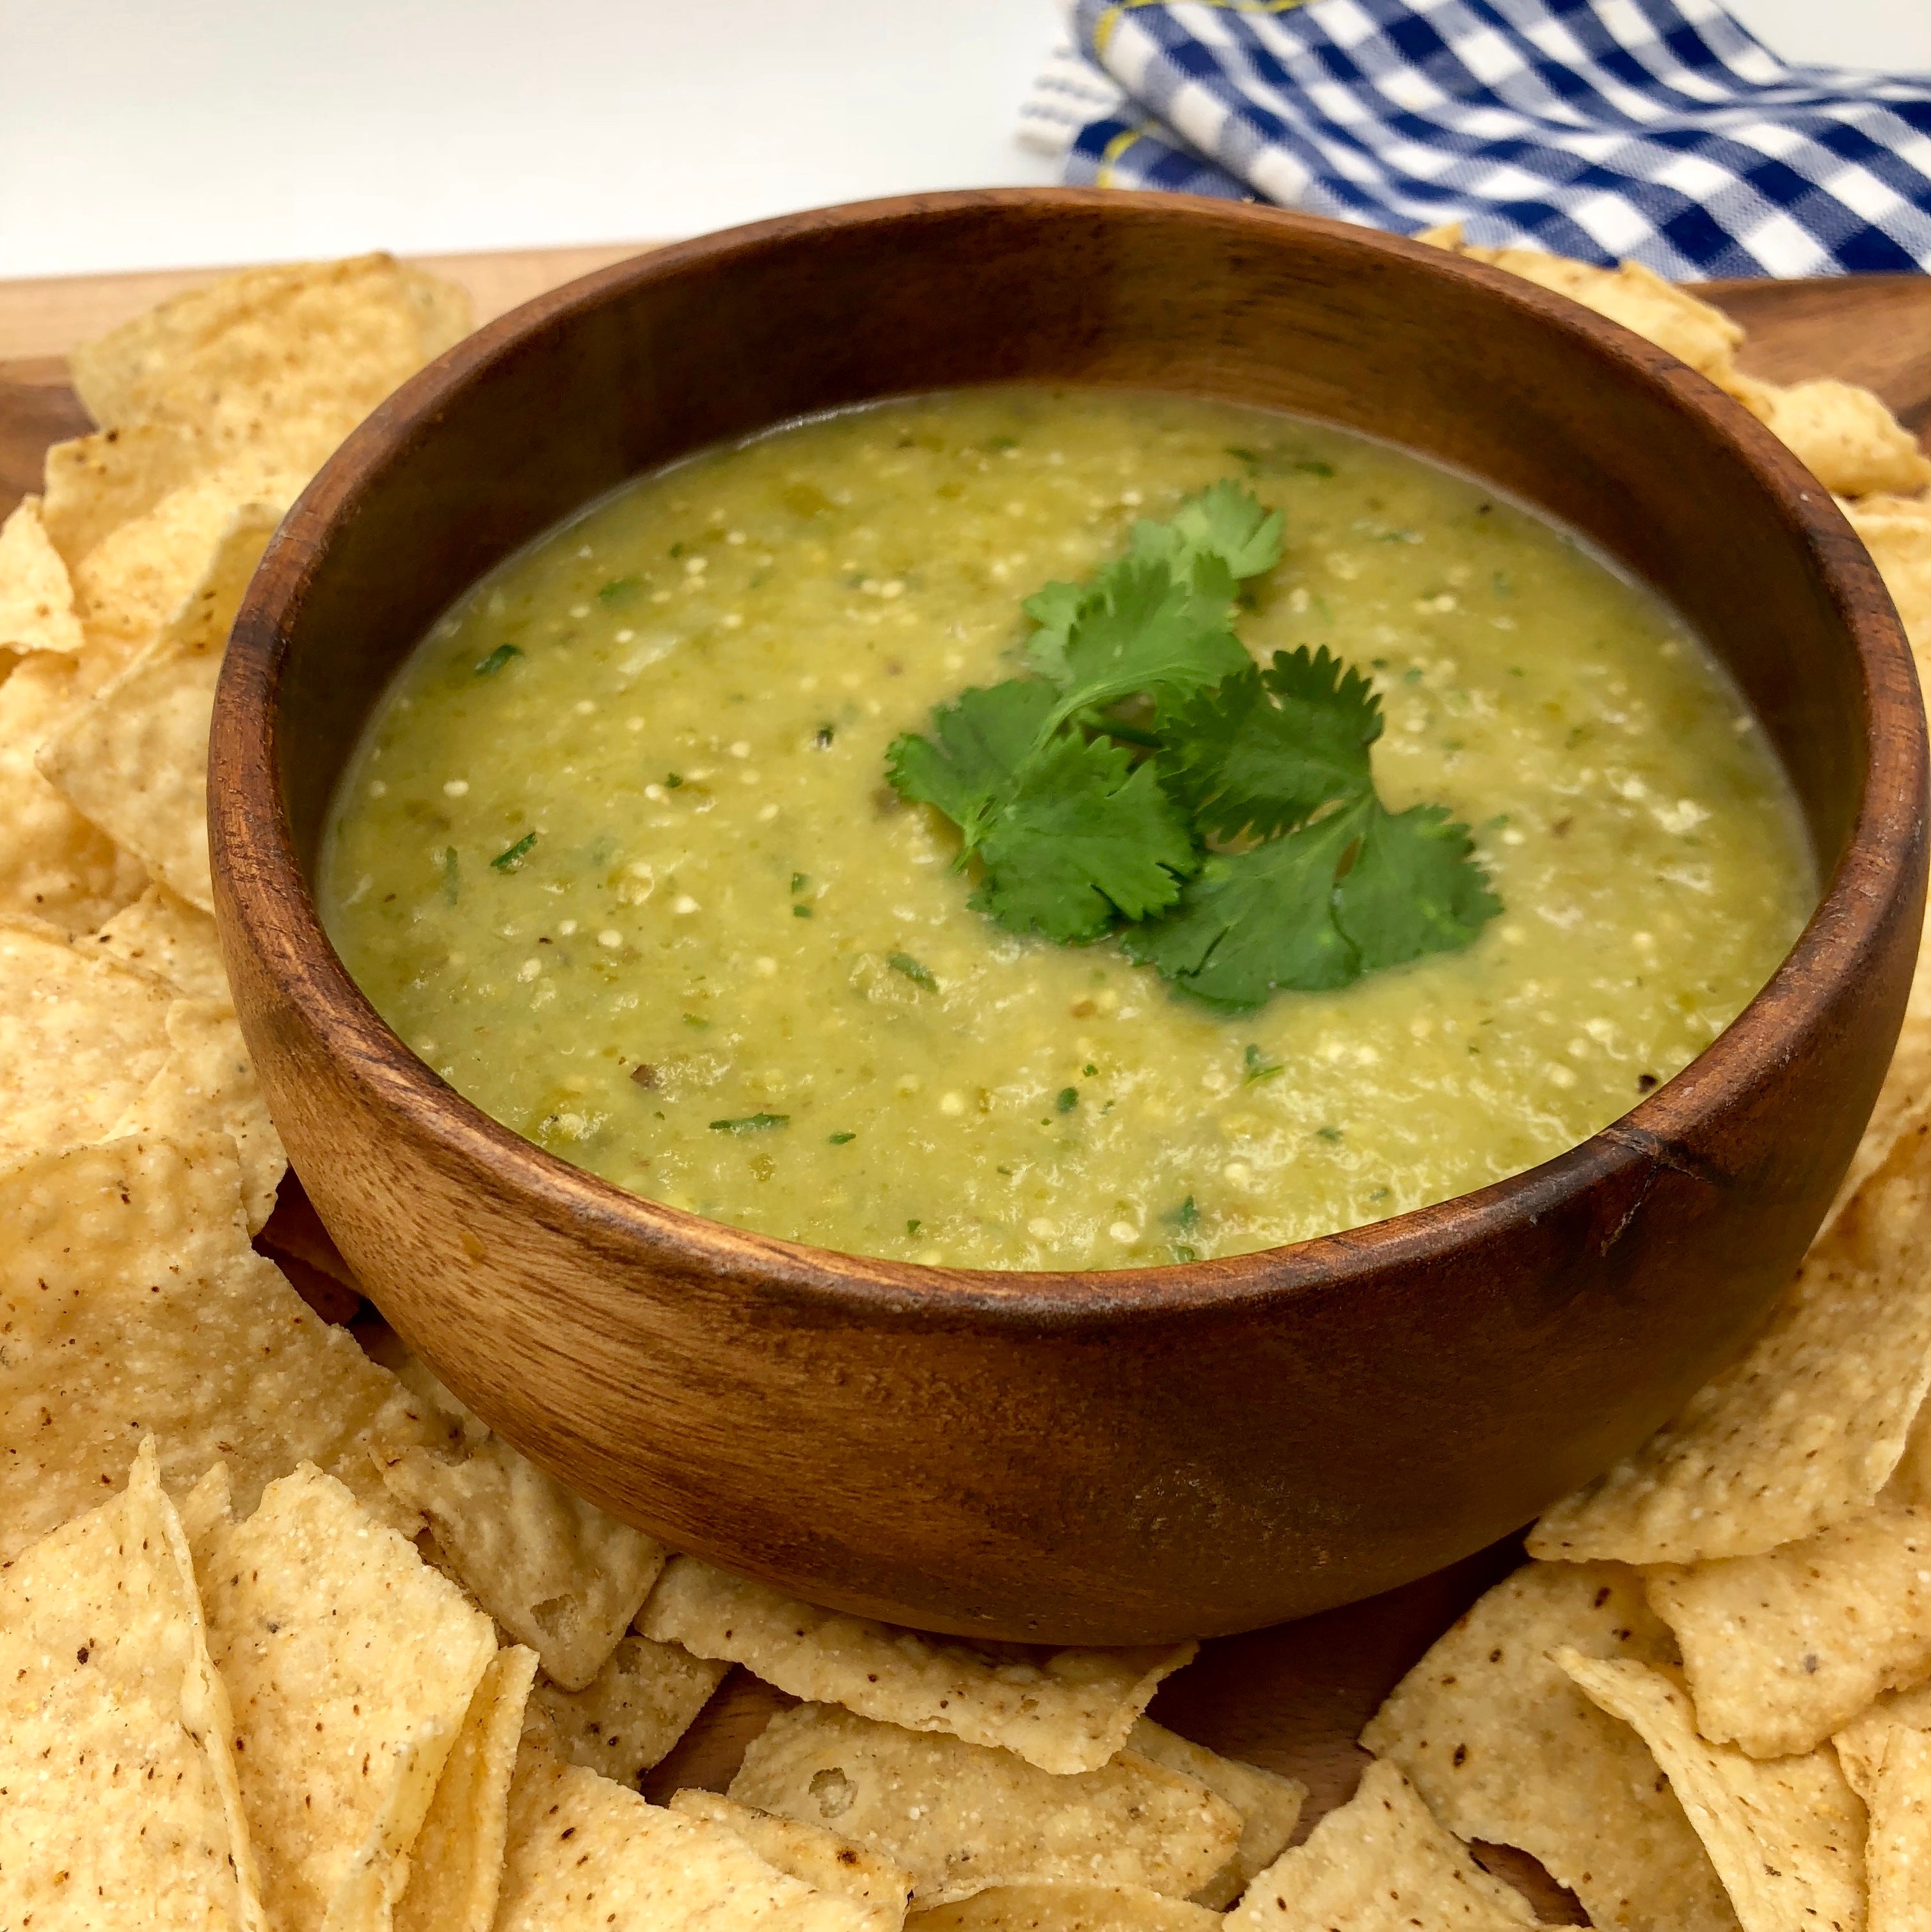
{"type": "Point", "coordinates": [1295, 1697]}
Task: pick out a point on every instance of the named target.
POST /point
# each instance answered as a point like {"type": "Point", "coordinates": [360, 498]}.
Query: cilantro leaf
{"type": "Point", "coordinates": [1223, 522]}
{"type": "Point", "coordinates": [1359, 890]}
{"type": "Point", "coordinates": [1413, 888]}
{"type": "Point", "coordinates": [1147, 631]}
{"type": "Point", "coordinates": [1055, 610]}
{"type": "Point", "coordinates": [984, 737]}
{"type": "Point", "coordinates": [1256, 922]}
{"type": "Point", "coordinates": [1083, 838]}
{"type": "Point", "coordinates": [1264, 750]}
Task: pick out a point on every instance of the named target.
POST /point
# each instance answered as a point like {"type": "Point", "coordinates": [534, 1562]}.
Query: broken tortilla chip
{"type": "Point", "coordinates": [1378, 1863]}
{"type": "Point", "coordinates": [553, 1570]}
{"type": "Point", "coordinates": [808, 1852]}
{"type": "Point", "coordinates": [81, 1035]}
{"type": "Point", "coordinates": [1502, 1747]}
{"type": "Point", "coordinates": [628, 1716]}
{"type": "Point", "coordinates": [1064, 1905]}
{"type": "Point", "coordinates": [1064, 1711]}
{"type": "Point", "coordinates": [1806, 1429]}
{"type": "Point", "coordinates": [1786, 1837]}
{"type": "Point", "coordinates": [54, 864]}
{"type": "Point", "coordinates": [121, 1804]}
{"type": "Point", "coordinates": [207, 1084]}
{"type": "Point", "coordinates": [1843, 435]}
{"type": "Point", "coordinates": [134, 759]}
{"type": "Point", "coordinates": [1897, 1848]}
{"type": "Point", "coordinates": [585, 1855]}
{"type": "Point", "coordinates": [959, 1816]}
{"type": "Point", "coordinates": [1269, 1804]}
{"type": "Point", "coordinates": [284, 361]}
{"type": "Point", "coordinates": [166, 935]}
{"type": "Point", "coordinates": [350, 1665]}
{"type": "Point", "coordinates": [36, 598]}
{"type": "Point", "coordinates": [1860, 1743]}
{"type": "Point", "coordinates": [1781, 1650]}
{"type": "Point", "coordinates": [132, 1301]}
{"type": "Point", "coordinates": [455, 1865]}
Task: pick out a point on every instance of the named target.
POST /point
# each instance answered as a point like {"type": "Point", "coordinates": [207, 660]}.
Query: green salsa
{"type": "Point", "coordinates": [617, 857]}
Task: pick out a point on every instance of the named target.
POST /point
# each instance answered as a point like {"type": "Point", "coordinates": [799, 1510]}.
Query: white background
{"type": "Point", "coordinates": [172, 133]}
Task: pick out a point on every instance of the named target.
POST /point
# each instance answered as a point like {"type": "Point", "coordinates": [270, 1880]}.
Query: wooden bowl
{"type": "Point", "coordinates": [1105, 1457]}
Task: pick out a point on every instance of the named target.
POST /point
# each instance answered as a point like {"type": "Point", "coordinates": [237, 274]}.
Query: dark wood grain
{"type": "Point", "coordinates": [37, 407]}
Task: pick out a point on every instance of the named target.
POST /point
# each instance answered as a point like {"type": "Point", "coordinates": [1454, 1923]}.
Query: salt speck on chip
{"type": "Point", "coordinates": [1786, 1837]}
{"type": "Point", "coordinates": [118, 1803]}
{"type": "Point", "coordinates": [1064, 1710]}
{"type": "Point", "coordinates": [350, 1665]}
{"type": "Point", "coordinates": [1807, 1428]}
{"type": "Point", "coordinates": [959, 1817]}
{"type": "Point", "coordinates": [131, 1301]}
{"type": "Point", "coordinates": [1378, 1863]}
{"type": "Point", "coordinates": [1502, 1747]}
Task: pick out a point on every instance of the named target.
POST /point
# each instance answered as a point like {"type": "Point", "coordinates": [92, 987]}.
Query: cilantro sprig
{"type": "Point", "coordinates": [1149, 780]}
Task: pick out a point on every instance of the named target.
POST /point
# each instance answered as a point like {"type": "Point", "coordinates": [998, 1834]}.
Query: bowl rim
{"type": "Point", "coordinates": [252, 850]}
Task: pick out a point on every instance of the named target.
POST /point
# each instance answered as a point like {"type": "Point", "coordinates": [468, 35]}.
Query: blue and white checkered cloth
{"type": "Point", "coordinates": [1658, 130]}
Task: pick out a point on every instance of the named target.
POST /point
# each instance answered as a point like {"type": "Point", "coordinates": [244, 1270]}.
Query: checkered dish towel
{"type": "Point", "coordinates": [1598, 129]}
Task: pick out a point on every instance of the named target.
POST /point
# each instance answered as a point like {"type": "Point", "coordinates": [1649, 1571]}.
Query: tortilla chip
{"type": "Point", "coordinates": [1659, 311]}
{"type": "Point", "coordinates": [135, 759]}
{"type": "Point", "coordinates": [133, 583]}
{"type": "Point", "coordinates": [118, 1803]}
{"type": "Point", "coordinates": [1269, 1804]}
{"type": "Point", "coordinates": [166, 935]}
{"type": "Point", "coordinates": [1781, 1650]}
{"type": "Point", "coordinates": [207, 1085]}
{"type": "Point", "coordinates": [1805, 1430]}
{"type": "Point", "coordinates": [553, 1570]}
{"type": "Point", "coordinates": [1064, 1711]}
{"type": "Point", "coordinates": [633, 1710]}
{"type": "Point", "coordinates": [1897, 531]}
{"type": "Point", "coordinates": [1860, 1743]}
{"type": "Point", "coordinates": [80, 1036]}
{"type": "Point", "coordinates": [1897, 1848]}
{"type": "Point", "coordinates": [807, 1851]}
{"type": "Point", "coordinates": [1786, 1837]}
{"type": "Point", "coordinates": [1843, 435]}
{"type": "Point", "coordinates": [455, 1866]}
{"type": "Point", "coordinates": [585, 1855]}
{"type": "Point", "coordinates": [96, 484]}
{"type": "Point", "coordinates": [1503, 1747]}
{"type": "Point", "coordinates": [131, 1300]}
{"type": "Point", "coordinates": [53, 863]}
{"type": "Point", "coordinates": [1066, 1906]}
{"type": "Point", "coordinates": [959, 1817]}
{"type": "Point", "coordinates": [1378, 1863]}
{"type": "Point", "coordinates": [286, 360]}
{"type": "Point", "coordinates": [36, 598]}
{"type": "Point", "coordinates": [351, 1665]}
